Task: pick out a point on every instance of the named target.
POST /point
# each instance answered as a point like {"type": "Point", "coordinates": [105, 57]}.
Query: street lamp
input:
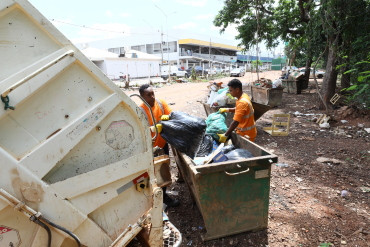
{"type": "Point", "coordinates": [168, 47]}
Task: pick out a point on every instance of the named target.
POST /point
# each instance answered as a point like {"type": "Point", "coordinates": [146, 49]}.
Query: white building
{"type": "Point", "coordinates": [136, 64]}
{"type": "Point", "coordinates": [187, 52]}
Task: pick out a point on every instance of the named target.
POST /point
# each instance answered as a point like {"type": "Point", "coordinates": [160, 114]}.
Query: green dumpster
{"type": "Point", "coordinates": [232, 196]}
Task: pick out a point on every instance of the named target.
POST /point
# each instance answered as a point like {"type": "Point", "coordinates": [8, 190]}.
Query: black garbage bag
{"type": "Point", "coordinates": [206, 146]}
{"type": "Point", "coordinates": [238, 154]}
{"type": "Point", "coordinates": [184, 132]}
{"type": "Point", "coordinates": [228, 148]}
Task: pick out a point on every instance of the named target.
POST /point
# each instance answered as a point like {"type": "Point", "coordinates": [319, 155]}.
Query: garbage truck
{"type": "Point", "coordinates": [76, 156]}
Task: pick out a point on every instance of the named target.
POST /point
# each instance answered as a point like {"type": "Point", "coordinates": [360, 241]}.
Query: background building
{"type": "Point", "coordinates": [186, 53]}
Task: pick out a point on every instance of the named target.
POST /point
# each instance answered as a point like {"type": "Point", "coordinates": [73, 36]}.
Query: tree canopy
{"type": "Point", "coordinates": [337, 31]}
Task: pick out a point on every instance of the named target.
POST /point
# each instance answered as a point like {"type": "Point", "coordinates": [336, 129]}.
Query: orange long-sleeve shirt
{"type": "Point", "coordinates": [244, 114]}
{"type": "Point", "coordinates": [160, 108]}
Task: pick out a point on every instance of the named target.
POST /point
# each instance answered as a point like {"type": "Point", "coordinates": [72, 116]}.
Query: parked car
{"type": "Point", "coordinates": [214, 71]}
{"type": "Point", "coordinates": [319, 74]}
{"type": "Point", "coordinates": [238, 72]}
{"type": "Point", "coordinates": [174, 71]}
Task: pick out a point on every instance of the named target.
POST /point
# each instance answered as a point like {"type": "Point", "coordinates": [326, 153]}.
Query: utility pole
{"type": "Point", "coordinates": [210, 64]}
{"type": "Point", "coordinates": [162, 44]}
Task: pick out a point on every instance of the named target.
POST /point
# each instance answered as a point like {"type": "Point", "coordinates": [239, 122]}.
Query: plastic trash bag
{"type": "Point", "coordinates": [238, 154]}
{"type": "Point", "coordinates": [206, 146]}
{"type": "Point", "coordinates": [277, 83]}
{"type": "Point", "coordinates": [184, 132]}
{"type": "Point", "coordinates": [228, 148]}
{"type": "Point", "coordinates": [220, 99]}
{"type": "Point", "coordinates": [220, 91]}
{"type": "Point", "coordinates": [212, 97]}
{"type": "Point", "coordinates": [216, 124]}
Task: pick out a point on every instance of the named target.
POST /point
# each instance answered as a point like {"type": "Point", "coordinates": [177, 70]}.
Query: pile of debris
{"type": "Point", "coordinates": [267, 83]}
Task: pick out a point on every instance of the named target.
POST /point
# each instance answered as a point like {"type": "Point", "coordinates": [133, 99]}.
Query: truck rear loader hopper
{"type": "Point", "coordinates": [76, 160]}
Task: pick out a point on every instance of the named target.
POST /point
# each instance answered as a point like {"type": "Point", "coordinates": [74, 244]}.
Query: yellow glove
{"type": "Point", "coordinates": [165, 117]}
{"type": "Point", "coordinates": [222, 110]}
{"type": "Point", "coordinates": [222, 138]}
{"type": "Point", "coordinates": [159, 128]}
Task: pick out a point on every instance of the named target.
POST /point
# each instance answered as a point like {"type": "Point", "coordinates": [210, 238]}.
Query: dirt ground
{"type": "Point", "coordinates": [311, 201]}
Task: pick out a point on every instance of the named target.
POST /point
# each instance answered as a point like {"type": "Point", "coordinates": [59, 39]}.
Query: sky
{"type": "Point", "coordinates": [128, 22]}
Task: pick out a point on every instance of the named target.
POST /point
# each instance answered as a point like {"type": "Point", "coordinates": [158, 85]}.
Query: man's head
{"type": "Point", "coordinates": [146, 91]}
{"type": "Point", "coordinates": [235, 88]}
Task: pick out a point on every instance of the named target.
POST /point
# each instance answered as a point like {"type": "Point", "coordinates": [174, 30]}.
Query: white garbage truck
{"type": "Point", "coordinates": [76, 158]}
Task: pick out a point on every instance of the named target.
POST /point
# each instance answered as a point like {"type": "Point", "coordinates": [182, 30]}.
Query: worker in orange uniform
{"type": "Point", "coordinates": [161, 112]}
{"type": "Point", "coordinates": [243, 120]}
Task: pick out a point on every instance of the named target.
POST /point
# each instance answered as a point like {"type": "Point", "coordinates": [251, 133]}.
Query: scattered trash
{"type": "Point", "coordinates": [343, 242]}
{"type": "Point", "coordinates": [193, 228]}
{"type": "Point", "coordinates": [323, 119]}
{"type": "Point", "coordinates": [307, 138]}
{"type": "Point", "coordinates": [172, 193]}
{"type": "Point", "coordinates": [365, 189]}
{"type": "Point", "coordinates": [358, 231]}
{"type": "Point", "coordinates": [360, 125]}
{"type": "Point", "coordinates": [200, 228]}
{"type": "Point", "coordinates": [326, 245]}
{"type": "Point", "coordinates": [273, 144]}
{"type": "Point", "coordinates": [343, 121]}
{"type": "Point", "coordinates": [344, 193]}
{"type": "Point", "coordinates": [328, 160]}
{"type": "Point", "coordinates": [299, 179]}
{"type": "Point", "coordinates": [367, 130]}
{"type": "Point", "coordinates": [304, 188]}
{"type": "Point", "coordinates": [282, 165]}
{"type": "Point", "coordinates": [189, 243]}
{"type": "Point", "coordinates": [324, 125]}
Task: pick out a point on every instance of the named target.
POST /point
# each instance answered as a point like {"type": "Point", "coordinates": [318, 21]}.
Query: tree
{"type": "Point", "coordinates": [337, 30]}
{"type": "Point", "coordinates": [343, 22]}
{"type": "Point", "coordinates": [287, 21]}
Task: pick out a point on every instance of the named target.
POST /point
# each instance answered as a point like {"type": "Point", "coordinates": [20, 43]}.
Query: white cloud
{"type": "Point", "coordinates": [125, 14]}
{"type": "Point", "coordinates": [102, 31]}
{"type": "Point", "coordinates": [231, 30]}
{"type": "Point", "coordinates": [186, 25]}
{"type": "Point", "coordinates": [204, 17]}
{"type": "Point", "coordinates": [108, 13]}
{"type": "Point", "coordinates": [194, 3]}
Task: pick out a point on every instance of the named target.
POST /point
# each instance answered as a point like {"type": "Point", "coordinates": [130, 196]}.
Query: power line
{"type": "Point", "coordinates": [83, 26]}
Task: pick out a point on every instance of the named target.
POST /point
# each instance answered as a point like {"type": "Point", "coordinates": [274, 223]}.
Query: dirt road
{"type": "Point", "coordinates": [311, 201]}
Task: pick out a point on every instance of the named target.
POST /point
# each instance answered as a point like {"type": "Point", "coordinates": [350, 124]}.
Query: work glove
{"type": "Point", "coordinates": [222, 138]}
{"type": "Point", "coordinates": [222, 110]}
{"type": "Point", "coordinates": [165, 117]}
{"type": "Point", "coordinates": [159, 128]}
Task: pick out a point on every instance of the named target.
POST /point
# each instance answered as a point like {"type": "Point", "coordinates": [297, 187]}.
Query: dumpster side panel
{"type": "Point", "coordinates": [267, 96]}
{"type": "Point", "coordinates": [232, 196]}
{"type": "Point", "coordinates": [233, 204]}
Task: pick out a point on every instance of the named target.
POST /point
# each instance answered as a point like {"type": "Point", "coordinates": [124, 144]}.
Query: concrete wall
{"type": "Point", "coordinates": [135, 67]}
